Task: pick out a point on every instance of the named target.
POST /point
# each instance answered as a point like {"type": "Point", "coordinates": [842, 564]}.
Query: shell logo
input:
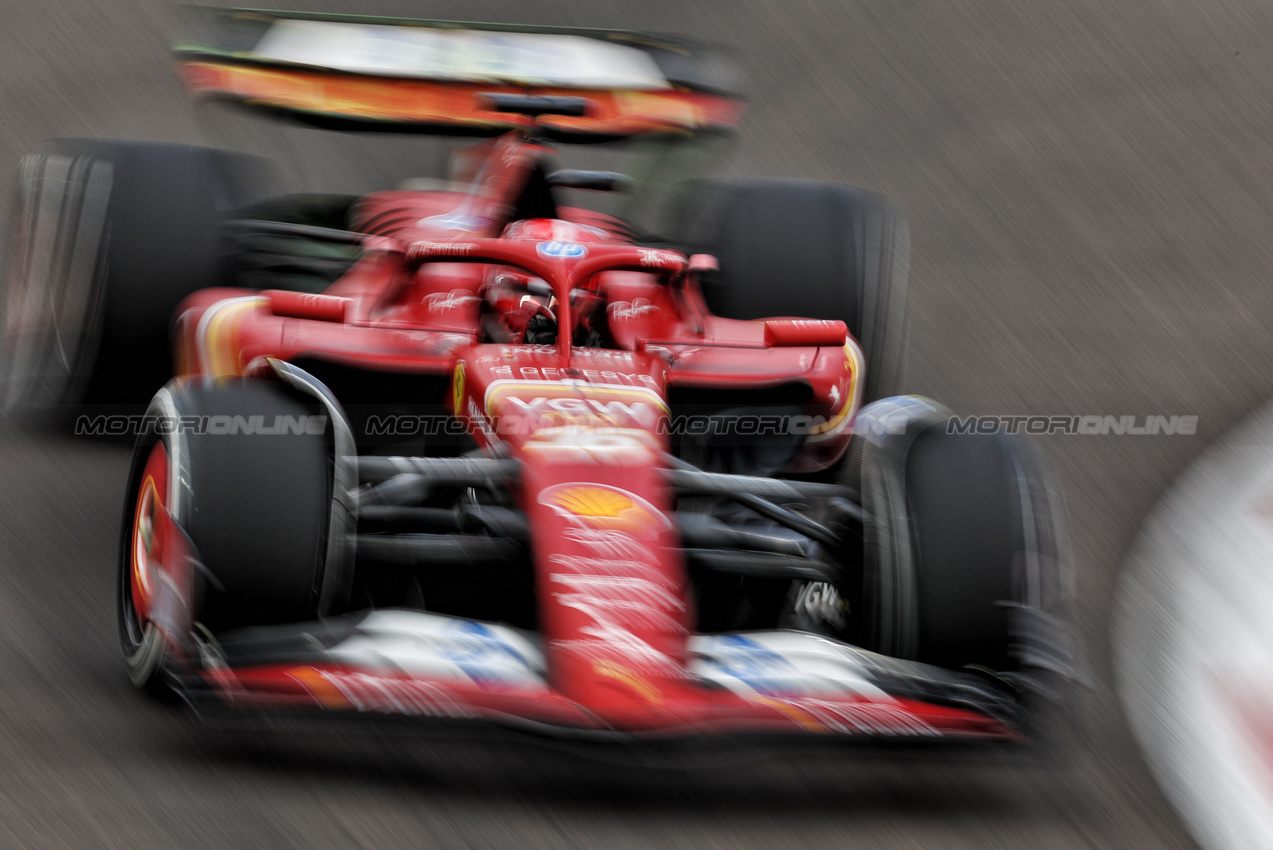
{"type": "Point", "coordinates": [594, 502]}
{"type": "Point", "coordinates": [603, 506]}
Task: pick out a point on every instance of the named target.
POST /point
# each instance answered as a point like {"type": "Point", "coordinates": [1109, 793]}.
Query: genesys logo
{"type": "Point", "coordinates": [604, 507]}
{"type": "Point", "coordinates": [561, 250]}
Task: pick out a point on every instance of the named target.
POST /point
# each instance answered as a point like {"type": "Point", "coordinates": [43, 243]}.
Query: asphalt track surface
{"type": "Point", "coordinates": [1090, 193]}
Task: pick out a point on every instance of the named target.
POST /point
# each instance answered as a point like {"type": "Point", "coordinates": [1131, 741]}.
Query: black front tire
{"type": "Point", "coordinates": [256, 509]}
{"type": "Point", "coordinates": [961, 547]}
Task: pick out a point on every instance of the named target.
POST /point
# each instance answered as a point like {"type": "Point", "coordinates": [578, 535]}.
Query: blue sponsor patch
{"type": "Point", "coordinates": [758, 667]}
{"type": "Point", "coordinates": [561, 250]}
{"type": "Point", "coordinates": [483, 656]}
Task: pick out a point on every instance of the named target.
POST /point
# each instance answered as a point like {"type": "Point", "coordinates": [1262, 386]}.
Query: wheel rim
{"type": "Point", "coordinates": [148, 545]}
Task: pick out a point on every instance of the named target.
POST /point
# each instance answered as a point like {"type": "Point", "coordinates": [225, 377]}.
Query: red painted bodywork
{"type": "Point", "coordinates": [588, 425]}
{"type": "Point", "coordinates": [688, 711]}
{"type": "Point", "coordinates": [413, 303]}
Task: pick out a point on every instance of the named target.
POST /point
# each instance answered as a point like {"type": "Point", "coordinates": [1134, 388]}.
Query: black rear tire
{"type": "Point", "coordinates": [811, 250]}
{"type": "Point", "coordinates": [109, 236]}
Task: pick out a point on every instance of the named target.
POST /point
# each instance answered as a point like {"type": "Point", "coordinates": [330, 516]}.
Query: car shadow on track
{"type": "Point", "coordinates": [840, 781]}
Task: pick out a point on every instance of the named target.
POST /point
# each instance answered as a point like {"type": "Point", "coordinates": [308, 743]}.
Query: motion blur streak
{"type": "Point", "coordinates": [1195, 645]}
{"type": "Point", "coordinates": [1088, 189]}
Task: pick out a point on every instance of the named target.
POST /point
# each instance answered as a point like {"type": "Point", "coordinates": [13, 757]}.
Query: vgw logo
{"type": "Point", "coordinates": [561, 250]}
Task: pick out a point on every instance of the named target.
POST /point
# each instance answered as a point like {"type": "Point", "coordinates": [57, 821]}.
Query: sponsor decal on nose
{"type": "Point", "coordinates": [602, 506]}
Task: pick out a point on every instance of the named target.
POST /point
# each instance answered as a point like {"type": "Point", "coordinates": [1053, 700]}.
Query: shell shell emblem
{"type": "Point", "coordinates": [603, 506]}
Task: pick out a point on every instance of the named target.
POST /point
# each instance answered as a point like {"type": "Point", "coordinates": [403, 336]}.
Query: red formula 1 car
{"type": "Point", "coordinates": [464, 451]}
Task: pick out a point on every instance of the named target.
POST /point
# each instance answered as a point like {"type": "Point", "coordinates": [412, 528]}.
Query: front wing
{"type": "Point", "coordinates": [416, 664]}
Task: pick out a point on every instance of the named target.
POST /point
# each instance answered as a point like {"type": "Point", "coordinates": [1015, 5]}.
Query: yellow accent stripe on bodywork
{"type": "Point", "coordinates": [852, 399]}
{"type": "Point", "coordinates": [218, 335]}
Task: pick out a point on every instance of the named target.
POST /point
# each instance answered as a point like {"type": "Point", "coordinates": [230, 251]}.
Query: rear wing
{"type": "Point", "coordinates": [423, 76]}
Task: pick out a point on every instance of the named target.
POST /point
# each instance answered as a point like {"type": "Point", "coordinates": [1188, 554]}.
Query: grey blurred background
{"type": "Point", "coordinates": [1090, 191]}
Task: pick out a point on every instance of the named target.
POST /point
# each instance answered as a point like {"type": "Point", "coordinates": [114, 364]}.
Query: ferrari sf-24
{"type": "Point", "coordinates": [462, 450]}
